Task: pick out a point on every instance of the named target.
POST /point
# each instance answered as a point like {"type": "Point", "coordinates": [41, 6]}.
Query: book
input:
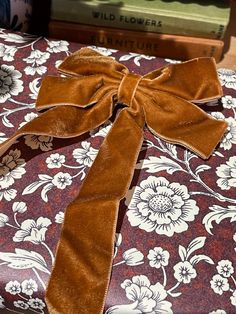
{"type": "Point", "coordinates": [190, 18]}
{"type": "Point", "coordinates": [161, 45]}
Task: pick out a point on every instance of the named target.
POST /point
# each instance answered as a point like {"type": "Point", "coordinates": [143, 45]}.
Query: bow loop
{"type": "Point", "coordinates": [195, 80]}
{"type": "Point", "coordinates": [88, 62]}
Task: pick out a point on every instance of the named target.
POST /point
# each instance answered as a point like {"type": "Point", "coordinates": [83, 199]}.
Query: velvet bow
{"type": "Point", "coordinates": [83, 100]}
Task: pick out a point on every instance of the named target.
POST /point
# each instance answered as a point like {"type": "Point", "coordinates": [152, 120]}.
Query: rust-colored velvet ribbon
{"type": "Point", "coordinates": [83, 100]}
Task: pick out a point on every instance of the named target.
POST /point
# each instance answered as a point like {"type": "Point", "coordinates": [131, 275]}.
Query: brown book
{"type": "Point", "coordinates": [161, 45]}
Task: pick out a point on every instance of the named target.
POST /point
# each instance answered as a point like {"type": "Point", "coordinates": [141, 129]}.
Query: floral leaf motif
{"type": "Point", "coordinates": [202, 168]}
{"type": "Point", "coordinates": [31, 188]}
{"type": "Point", "coordinates": [182, 253]}
{"type": "Point", "coordinates": [13, 38]}
{"type": "Point", "coordinates": [23, 259]}
{"type": "Point", "coordinates": [201, 257]}
{"type": "Point", "coordinates": [6, 122]}
{"type": "Point", "coordinates": [44, 177]}
{"type": "Point", "coordinates": [195, 245]}
{"type": "Point", "coordinates": [34, 88]}
{"type": "Point", "coordinates": [155, 164]}
{"type": "Point", "coordinates": [45, 190]}
{"type": "Point", "coordinates": [172, 149]}
{"type": "Point", "coordinates": [217, 214]}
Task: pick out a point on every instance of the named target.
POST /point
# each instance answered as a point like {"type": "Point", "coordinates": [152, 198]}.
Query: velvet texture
{"type": "Point", "coordinates": [161, 100]}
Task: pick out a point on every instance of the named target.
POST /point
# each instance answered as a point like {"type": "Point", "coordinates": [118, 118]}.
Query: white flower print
{"type": "Point", "coordinates": [184, 272]}
{"type": "Point", "coordinates": [227, 78]}
{"type": "Point", "coordinates": [29, 286]}
{"type": "Point", "coordinates": [228, 102]}
{"type": "Point", "coordinates": [227, 174]}
{"type": "Point", "coordinates": [161, 206]}
{"type": "Point", "coordinates": [9, 82]}
{"type": "Point", "coordinates": [42, 142]}
{"type": "Point", "coordinates": [133, 257]}
{"type": "Point", "coordinates": [55, 161]}
{"type": "Point", "coordinates": [225, 268]}
{"type": "Point", "coordinates": [3, 220]}
{"type": "Point", "coordinates": [19, 207]}
{"type": "Point", "coordinates": [61, 180]}
{"type": "Point", "coordinates": [33, 231]}
{"type": "Point", "coordinates": [2, 137]}
{"type": "Point", "coordinates": [136, 56]}
{"type": "Point", "coordinates": [36, 303]}
{"type": "Point", "coordinates": [11, 168]}
{"type": "Point", "coordinates": [21, 304]}
{"type": "Point", "coordinates": [158, 257]}
{"type": "Point", "coordinates": [218, 115]}
{"type": "Point", "coordinates": [8, 195]}
{"type": "Point", "coordinates": [103, 51]}
{"type": "Point", "coordinates": [57, 46]}
{"type": "Point", "coordinates": [218, 312]}
{"type": "Point", "coordinates": [59, 218]}
{"type": "Point", "coordinates": [102, 130]}
{"type": "Point", "coordinates": [28, 117]}
{"type": "Point", "coordinates": [1, 302]}
{"type": "Point", "coordinates": [7, 53]}
{"type": "Point", "coordinates": [229, 137]}
{"type": "Point", "coordinates": [146, 298]}
{"type": "Point", "coordinates": [219, 284]}
{"type": "Point", "coordinates": [86, 155]}
{"type": "Point", "coordinates": [13, 287]}
{"type": "Point", "coordinates": [233, 298]}
{"type": "Point", "coordinates": [36, 59]}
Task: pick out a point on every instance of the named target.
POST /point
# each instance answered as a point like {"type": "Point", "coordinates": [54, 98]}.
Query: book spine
{"type": "Point", "coordinates": [161, 45]}
{"type": "Point", "coordinates": [125, 18]}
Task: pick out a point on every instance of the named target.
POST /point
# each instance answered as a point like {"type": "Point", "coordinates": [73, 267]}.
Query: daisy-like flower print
{"type": "Point", "coordinates": [29, 286]}
{"type": "Point", "coordinates": [146, 298]}
{"type": "Point", "coordinates": [227, 78]}
{"type": "Point", "coordinates": [229, 137]}
{"type": "Point", "coordinates": [36, 303]}
{"type": "Point", "coordinates": [33, 231]}
{"type": "Point", "coordinates": [184, 272]}
{"type": "Point", "coordinates": [36, 59]}
{"type": "Point", "coordinates": [28, 117]}
{"type": "Point", "coordinates": [61, 180]}
{"type": "Point", "coordinates": [158, 257]}
{"type": "Point", "coordinates": [1, 302]}
{"type": "Point", "coordinates": [10, 85]}
{"type": "Point", "coordinates": [11, 168]}
{"type": "Point", "coordinates": [7, 53]}
{"type": "Point", "coordinates": [59, 218]}
{"type": "Point", "coordinates": [228, 102]}
{"type": "Point", "coordinates": [233, 298]}
{"type": "Point", "coordinates": [219, 284]}
{"type": "Point", "coordinates": [85, 155]}
{"type": "Point", "coordinates": [13, 287]}
{"type": "Point", "coordinates": [55, 161]}
{"type": "Point", "coordinates": [225, 268]}
{"type": "Point", "coordinates": [160, 206]}
{"type": "Point", "coordinates": [57, 46]}
{"type": "Point", "coordinates": [42, 142]}
{"type": "Point", "coordinates": [227, 174]}
{"type": "Point", "coordinates": [21, 304]}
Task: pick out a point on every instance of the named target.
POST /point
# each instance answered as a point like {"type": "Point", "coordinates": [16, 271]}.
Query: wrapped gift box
{"type": "Point", "coordinates": [176, 235]}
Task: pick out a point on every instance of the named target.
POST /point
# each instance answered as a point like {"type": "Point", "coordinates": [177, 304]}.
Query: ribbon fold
{"type": "Point", "coordinates": [83, 100]}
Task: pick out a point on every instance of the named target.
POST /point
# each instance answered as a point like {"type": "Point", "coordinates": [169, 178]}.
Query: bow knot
{"type": "Point", "coordinates": [127, 88]}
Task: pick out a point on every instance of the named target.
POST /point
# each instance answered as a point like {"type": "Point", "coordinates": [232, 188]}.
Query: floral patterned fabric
{"type": "Point", "coordinates": [176, 235]}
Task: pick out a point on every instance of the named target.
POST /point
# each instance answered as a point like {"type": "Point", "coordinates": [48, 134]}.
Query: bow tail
{"type": "Point", "coordinates": [80, 277]}
{"type": "Point", "coordinates": [180, 122]}
{"type": "Point", "coordinates": [64, 122]}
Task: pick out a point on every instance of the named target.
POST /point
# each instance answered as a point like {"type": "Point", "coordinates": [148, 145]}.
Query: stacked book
{"type": "Point", "coordinates": [173, 29]}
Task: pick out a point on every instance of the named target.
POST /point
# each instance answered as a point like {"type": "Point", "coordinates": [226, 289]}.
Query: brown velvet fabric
{"type": "Point", "coordinates": [95, 84]}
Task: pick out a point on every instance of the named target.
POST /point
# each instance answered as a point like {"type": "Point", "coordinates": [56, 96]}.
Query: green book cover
{"type": "Point", "coordinates": [200, 18]}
